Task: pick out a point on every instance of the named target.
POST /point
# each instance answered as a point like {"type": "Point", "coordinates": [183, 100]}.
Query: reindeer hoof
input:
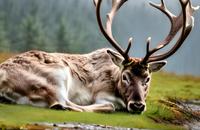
{"type": "Point", "coordinates": [58, 107]}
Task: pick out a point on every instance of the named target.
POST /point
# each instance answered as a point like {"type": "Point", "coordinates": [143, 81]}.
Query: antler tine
{"type": "Point", "coordinates": [162, 7]}
{"type": "Point", "coordinates": [116, 4]}
{"type": "Point", "coordinates": [185, 21]}
{"type": "Point", "coordinates": [129, 45]}
{"type": "Point", "coordinates": [194, 8]}
{"type": "Point", "coordinates": [95, 2]}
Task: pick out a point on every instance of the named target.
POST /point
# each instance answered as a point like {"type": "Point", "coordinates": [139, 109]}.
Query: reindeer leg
{"type": "Point", "coordinates": [107, 107]}
{"type": "Point", "coordinates": [59, 106]}
{"type": "Point", "coordinates": [5, 100]}
{"type": "Point", "coordinates": [102, 107]}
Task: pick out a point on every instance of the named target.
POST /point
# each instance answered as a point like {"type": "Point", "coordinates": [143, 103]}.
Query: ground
{"type": "Point", "coordinates": [158, 115]}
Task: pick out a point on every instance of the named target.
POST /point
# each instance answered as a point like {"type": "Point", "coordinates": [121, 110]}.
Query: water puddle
{"type": "Point", "coordinates": [74, 126]}
{"type": "Point", "coordinates": [190, 109]}
{"type": "Point", "coordinates": [194, 106]}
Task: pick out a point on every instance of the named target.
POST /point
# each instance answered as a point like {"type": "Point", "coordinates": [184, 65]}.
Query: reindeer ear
{"type": "Point", "coordinates": [116, 57]}
{"type": "Point", "coordinates": [156, 66]}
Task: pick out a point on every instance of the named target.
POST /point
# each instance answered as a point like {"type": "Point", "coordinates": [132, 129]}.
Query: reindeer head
{"type": "Point", "coordinates": [135, 73]}
{"type": "Point", "coordinates": [134, 80]}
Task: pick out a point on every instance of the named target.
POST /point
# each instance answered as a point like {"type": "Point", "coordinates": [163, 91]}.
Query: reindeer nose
{"type": "Point", "coordinates": [136, 107]}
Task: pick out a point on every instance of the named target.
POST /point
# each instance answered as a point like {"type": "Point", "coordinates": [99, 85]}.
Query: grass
{"type": "Point", "coordinates": [173, 86]}
{"type": "Point", "coordinates": [164, 85]}
{"type": "Point", "coordinates": [16, 115]}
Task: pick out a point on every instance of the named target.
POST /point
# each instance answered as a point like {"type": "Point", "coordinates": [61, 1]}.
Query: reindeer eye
{"type": "Point", "coordinates": [147, 80]}
{"type": "Point", "coordinates": [124, 78]}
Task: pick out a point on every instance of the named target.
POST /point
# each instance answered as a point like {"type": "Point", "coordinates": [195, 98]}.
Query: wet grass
{"type": "Point", "coordinates": [164, 85]}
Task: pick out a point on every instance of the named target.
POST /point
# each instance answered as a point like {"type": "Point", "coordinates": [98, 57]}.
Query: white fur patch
{"type": "Point", "coordinates": [3, 76]}
{"type": "Point", "coordinates": [77, 92]}
{"type": "Point", "coordinates": [80, 95]}
{"type": "Point", "coordinates": [61, 76]}
{"type": "Point", "coordinates": [69, 88]}
{"type": "Point", "coordinates": [23, 100]}
{"type": "Point", "coordinates": [104, 97]}
{"type": "Point", "coordinates": [39, 104]}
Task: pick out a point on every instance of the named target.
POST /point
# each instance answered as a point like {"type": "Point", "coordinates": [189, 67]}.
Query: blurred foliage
{"type": "Point", "coordinates": [63, 37]}
{"type": "Point", "coordinates": [32, 35]}
{"type": "Point", "coordinates": [4, 42]}
{"type": "Point", "coordinates": [47, 25]}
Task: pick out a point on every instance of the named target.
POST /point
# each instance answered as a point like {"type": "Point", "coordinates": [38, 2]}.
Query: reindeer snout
{"type": "Point", "coordinates": [136, 107]}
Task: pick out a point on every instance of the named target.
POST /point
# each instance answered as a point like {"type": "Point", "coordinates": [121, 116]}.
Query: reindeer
{"type": "Point", "coordinates": [101, 81]}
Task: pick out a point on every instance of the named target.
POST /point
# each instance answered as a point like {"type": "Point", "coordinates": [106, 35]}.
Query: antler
{"type": "Point", "coordinates": [116, 4]}
{"type": "Point", "coordinates": [185, 21]}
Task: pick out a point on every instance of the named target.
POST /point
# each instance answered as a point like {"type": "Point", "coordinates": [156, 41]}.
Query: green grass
{"type": "Point", "coordinates": [173, 86]}
{"type": "Point", "coordinates": [163, 86]}
{"type": "Point", "coordinates": [16, 115]}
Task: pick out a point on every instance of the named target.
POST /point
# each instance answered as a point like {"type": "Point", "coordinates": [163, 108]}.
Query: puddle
{"type": "Point", "coordinates": [191, 110]}
{"type": "Point", "coordinates": [194, 106]}
{"type": "Point", "coordinates": [193, 126]}
{"type": "Point", "coordinates": [74, 126]}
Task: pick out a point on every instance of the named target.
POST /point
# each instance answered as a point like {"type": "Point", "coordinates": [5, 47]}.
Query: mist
{"type": "Point", "coordinates": [135, 19]}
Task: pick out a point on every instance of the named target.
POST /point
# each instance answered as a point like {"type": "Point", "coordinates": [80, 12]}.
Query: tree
{"type": "Point", "coordinates": [63, 37]}
{"type": "Point", "coordinates": [32, 34]}
{"type": "Point", "coordinates": [4, 42]}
